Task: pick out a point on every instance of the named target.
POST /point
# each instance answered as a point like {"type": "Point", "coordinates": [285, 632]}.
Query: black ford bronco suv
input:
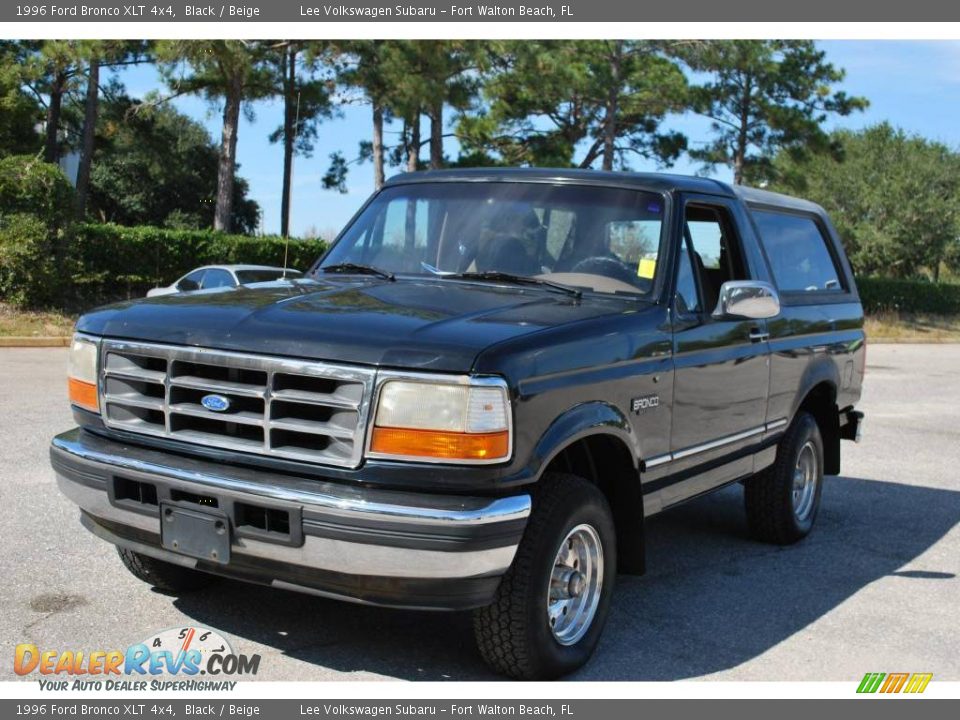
{"type": "Point", "coordinates": [475, 399]}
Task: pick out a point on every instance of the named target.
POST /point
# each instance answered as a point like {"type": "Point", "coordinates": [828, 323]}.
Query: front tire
{"type": "Point", "coordinates": [162, 575]}
{"type": "Point", "coordinates": [552, 603]}
{"type": "Point", "coordinates": [783, 500]}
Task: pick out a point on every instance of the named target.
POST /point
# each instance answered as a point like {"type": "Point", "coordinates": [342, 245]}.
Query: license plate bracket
{"type": "Point", "coordinates": [201, 534]}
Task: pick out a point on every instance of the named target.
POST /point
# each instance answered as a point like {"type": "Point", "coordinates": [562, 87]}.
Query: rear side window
{"type": "Point", "coordinates": [798, 253]}
{"type": "Point", "coordinates": [216, 278]}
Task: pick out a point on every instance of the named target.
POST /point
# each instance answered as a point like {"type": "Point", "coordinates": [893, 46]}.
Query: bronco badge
{"type": "Point", "coordinates": [642, 404]}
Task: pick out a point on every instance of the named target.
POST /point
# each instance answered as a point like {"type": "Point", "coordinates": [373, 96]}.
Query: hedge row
{"type": "Point", "coordinates": [101, 263]}
{"type": "Point", "coordinates": [113, 261]}
{"type": "Point", "coordinates": [911, 296]}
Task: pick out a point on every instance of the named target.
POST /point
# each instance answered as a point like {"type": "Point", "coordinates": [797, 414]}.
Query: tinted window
{"type": "Point", "coordinates": [191, 281]}
{"type": "Point", "coordinates": [605, 239]}
{"type": "Point", "coordinates": [217, 279]}
{"type": "Point", "coordinates": [798, 252]}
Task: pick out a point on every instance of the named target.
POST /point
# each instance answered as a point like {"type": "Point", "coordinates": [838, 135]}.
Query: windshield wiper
{"type": "Point", "coordinates": [358, 269]}
{"type": "Point", "coordinates": [505, 277]}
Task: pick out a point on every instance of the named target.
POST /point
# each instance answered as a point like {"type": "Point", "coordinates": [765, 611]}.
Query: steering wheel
{"type": "Point", "coordinates": [608, 267]}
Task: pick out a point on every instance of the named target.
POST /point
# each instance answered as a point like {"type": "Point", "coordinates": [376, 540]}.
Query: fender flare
{"type": "Point", "coordinates": [594, 419]}
{"type": "Point", "coordinates": [576, 423]}
{"type": "Point", "coordinates": [823, 370]}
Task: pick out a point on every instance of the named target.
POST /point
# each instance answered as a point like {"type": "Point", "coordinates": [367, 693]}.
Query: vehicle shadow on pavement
{"type": "Point", "coordinates": [712, 598]}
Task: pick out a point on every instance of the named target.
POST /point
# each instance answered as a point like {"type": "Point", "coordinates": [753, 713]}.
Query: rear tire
{"type": "Point", "coordinates": [552, 603]}
{"type": "Point", "coordinates": [783, 500]}
{"type": "Point", "coordinates": [163, 575]}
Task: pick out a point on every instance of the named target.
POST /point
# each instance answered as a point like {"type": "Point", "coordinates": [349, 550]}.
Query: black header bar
{"type": "Point", "coordinates": [549, 11]}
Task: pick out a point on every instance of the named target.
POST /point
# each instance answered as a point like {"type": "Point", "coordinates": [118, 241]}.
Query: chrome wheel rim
{"type": "Point", "coordinates": [573, 593]}
{"type": "Point", "coordinates": [805, 478]}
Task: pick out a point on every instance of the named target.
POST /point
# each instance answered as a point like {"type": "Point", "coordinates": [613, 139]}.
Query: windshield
{"type": "Point", "coordinates": [596, 238]}
{"type": "Point", "coordinates": [255, 276]}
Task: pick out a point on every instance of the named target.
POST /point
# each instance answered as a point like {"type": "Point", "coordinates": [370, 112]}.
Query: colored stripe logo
{"type": "Point", "coordinates": [888, 683]}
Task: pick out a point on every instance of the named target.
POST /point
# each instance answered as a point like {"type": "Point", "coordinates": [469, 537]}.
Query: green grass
{"type": "Point", "coordinates": [34, 323]}
{"type": "Point", "coordinates": [913, 327]}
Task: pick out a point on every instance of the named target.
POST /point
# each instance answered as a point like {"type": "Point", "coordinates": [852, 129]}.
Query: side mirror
{"type": "Point", "coordinates": [187, 285]}
{"type": "Point", "coordinates": [747, 299]}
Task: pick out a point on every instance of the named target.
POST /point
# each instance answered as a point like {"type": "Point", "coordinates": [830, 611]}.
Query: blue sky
{"type": "Point", "coordinates": [912, 84]}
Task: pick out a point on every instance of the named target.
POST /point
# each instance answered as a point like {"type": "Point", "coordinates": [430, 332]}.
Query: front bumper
{"type": "Point", "coordinates": [365, 545]}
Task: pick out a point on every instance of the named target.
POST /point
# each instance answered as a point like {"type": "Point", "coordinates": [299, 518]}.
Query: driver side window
{"type": "Point", "coordinates": [712, 256]}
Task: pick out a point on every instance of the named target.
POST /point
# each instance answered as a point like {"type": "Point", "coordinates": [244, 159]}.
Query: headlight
{"type": "Point", "coordinates": [464, 420]}
{"type": "Point", "coordinates": [82, 373]}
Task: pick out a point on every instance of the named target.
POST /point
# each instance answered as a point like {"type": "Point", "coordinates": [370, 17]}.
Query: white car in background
{"type": "Point", "coordinates": [221, 276]}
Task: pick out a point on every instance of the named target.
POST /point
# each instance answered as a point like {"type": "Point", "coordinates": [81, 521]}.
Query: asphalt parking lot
{"type": "Point", "coordinates": [874, 588]}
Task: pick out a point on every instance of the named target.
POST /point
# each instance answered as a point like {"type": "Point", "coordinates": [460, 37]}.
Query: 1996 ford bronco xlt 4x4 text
{"type": "Point", "coordinates": [474, 399]}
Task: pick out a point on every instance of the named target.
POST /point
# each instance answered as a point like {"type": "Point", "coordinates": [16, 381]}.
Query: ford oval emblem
{"type": "Point", "coordinates": [216, 403]}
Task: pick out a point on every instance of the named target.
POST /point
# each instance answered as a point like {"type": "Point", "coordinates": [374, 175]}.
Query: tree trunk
{"type": "Point", "coordinates": [90, 110]}
{"type": "Point", "coordinates": [227, 167]}
{"type": "Point", "coordinates": [436, 136]}
{"type": "Point", "coordinates": [289, 136]}
{"type": "Point", "coordinates": [51, 148]}
{"type": "Point", "coordinates": [413, 159]}
{"type": "Point", "coordinates": [413, 151]}
{"type": "Point", "coordinates": [610, 118]}
{"type": "Point", "coordinates": [378, 175]}
{"type": "Point", "coordinates": [738, 167]}
{"type": "Point", "coordinates": [740, 152]}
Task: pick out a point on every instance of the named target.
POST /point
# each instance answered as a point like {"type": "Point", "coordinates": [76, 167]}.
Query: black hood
{"type": "Point", "coordinates": [430, 324]}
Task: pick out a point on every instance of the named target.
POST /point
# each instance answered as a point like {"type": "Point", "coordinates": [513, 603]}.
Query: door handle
{"type": "Point", "coordinates": [757, 335]}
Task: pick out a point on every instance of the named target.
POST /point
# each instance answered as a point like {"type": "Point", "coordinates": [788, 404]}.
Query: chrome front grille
{"type": "Point", "coordinates": [294, 409]}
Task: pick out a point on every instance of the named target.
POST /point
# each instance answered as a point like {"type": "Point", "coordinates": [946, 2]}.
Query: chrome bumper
{"type": "Point", "coordinates": [376, 546]}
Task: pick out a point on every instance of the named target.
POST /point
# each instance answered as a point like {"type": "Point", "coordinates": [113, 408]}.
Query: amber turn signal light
{"type": "Point", "coordinates": [404, 442]}
{"type": "Point", "coordinates": [83, 394]}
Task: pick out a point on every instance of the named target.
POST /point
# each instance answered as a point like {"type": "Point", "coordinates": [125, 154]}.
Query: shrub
{"type": "Point", "coordinates": [30, 274]}
{"type": "Point", "coordinates": [29, 185]}
{"type": "Point", "coordinates": [910, 296]}
{"type": "Point", "coordinates": [36, 207]}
